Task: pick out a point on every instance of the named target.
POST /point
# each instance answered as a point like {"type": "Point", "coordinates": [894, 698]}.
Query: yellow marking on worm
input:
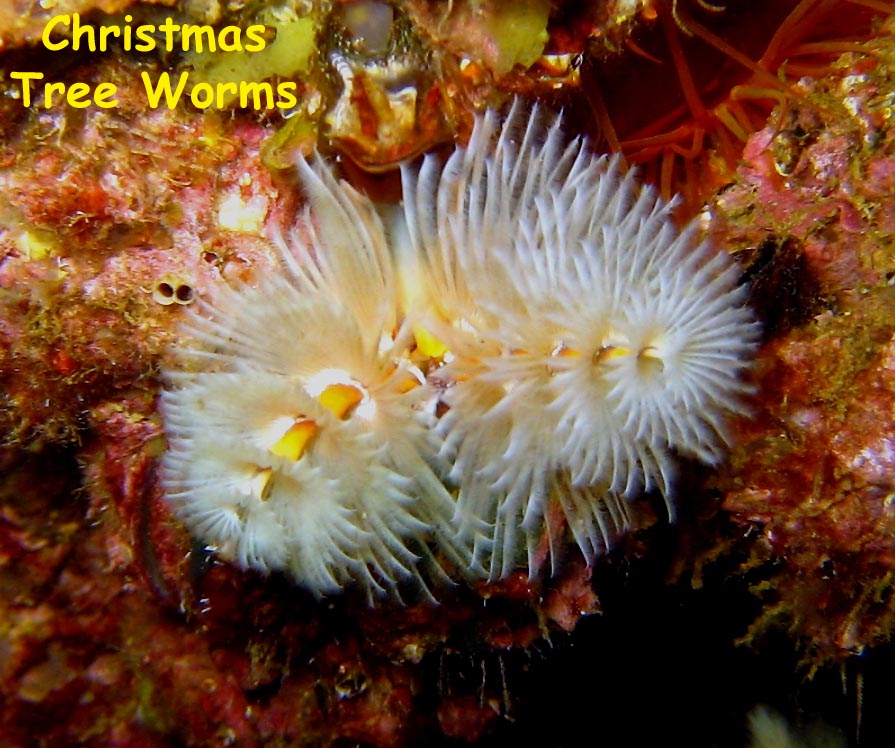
{"type": "Point", "coordinates": [610, 352]}
{"type": "Point", "coordinates": [340, 398]}
{"type": "Point", "coordinates": [568, 353]}
{"type": "Point", "coordinates": [294, 441]}
{"type": "Point", "coordinates": [649, 361]}
{"type": "Point", "coordinates": [260, 483]}
{"type": "Point", "coordinates": [427, 343]}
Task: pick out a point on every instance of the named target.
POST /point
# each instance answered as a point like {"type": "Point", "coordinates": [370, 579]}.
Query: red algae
{"type": "Point", "coordinates": [813, 473]}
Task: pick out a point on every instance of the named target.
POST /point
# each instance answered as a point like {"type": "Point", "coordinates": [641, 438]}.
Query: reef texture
{"type": "Point", "coordinates": [108, 626]}
{"type": "Point", "coordinates": [116, 630]}
{"type": "Point", "coordinates": [111, 621]}
{"type": "Point", "coordinates": [108, 229]}
{"type": "Point", "coordinates": [814, 474]}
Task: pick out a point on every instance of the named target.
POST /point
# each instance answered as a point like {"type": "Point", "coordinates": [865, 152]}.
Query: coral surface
{"type": "Point", "coordinates": [815, 471]}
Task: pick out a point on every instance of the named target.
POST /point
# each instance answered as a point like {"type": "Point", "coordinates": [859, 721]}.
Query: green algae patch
{"type": "Point", "coordinates": [285, 56]}
{"type": "Point", "coordinates": [298, 135]}
{"type": "Point", "coordinates": [520, 32]}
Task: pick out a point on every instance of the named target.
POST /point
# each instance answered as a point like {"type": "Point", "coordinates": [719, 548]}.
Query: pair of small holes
{"type": "Point", "coordinates": [168, 291]}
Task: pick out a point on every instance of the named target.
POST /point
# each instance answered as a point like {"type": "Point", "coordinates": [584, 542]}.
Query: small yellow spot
{"type": "Point", "coordinates": [562, 352]}
{"type": "Point", "coordinates": [610, 352]}
{"type": "Point", "coordinates": [37, 244]}
{"type": "Point", "coordinates": [260, 483]}
{"type": "Point", "coordinates": [427, 343]}
{"type": "Point", "coordinates": [649, 361]}
{"type": "Point", "coordinates": [561, 357]}
{"type": "Point", "coordinates": [294, 441]}
{"type": "Point", "coordinates": [408, 383]}
{"type": "Point", "coordinates": [340, 398]}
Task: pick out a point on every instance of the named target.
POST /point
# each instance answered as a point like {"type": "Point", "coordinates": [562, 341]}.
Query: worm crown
{"type": "Point", "coordinates": [518, 355]}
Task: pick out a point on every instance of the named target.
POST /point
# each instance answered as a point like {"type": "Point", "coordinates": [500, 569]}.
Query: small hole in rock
{"type": "Point", "coordinates": [184, 294]}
